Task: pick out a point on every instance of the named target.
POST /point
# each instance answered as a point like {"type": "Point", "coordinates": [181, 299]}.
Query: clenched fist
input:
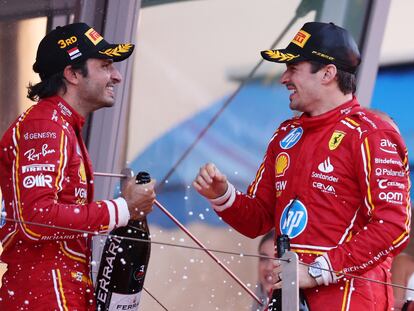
{"type": "Point", "coordinates": [210, 182]}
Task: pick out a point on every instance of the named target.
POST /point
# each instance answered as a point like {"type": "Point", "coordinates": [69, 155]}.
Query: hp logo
{"type": "Point", "coordinates": [294, 219]}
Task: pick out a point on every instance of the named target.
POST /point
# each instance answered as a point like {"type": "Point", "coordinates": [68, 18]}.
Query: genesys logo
{"type": "Point", "coordinates": [323, 187]}
{"type": "Point", "coordinates": [282, 164]}
{"type": "Point", "coordinates": [37, 181]}
{"type": "Point", "coordinates": [388, 172]}
{"type": "Point", "coordinates": [326, 166]}
{"type": "Point", "coordinates": [385, 183]}
{"type": "Point", "coordinates": [294, 219]}
{"type": "Point", "coordinates": [291, 138]}
{"type": "Point", "coordinates": [38, 168]}
{"type": "Point", "coordinates": [391, 197]}
{"type": "Point", "coordinates": [39, 135]}
{"type": "Point", "coordinates": [387, 146]}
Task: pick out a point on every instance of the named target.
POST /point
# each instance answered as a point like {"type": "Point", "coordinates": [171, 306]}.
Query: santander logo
{"type": "Point", "coordinates": [326, 166]}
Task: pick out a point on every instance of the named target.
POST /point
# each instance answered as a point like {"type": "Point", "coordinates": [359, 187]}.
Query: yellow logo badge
{"type": "Point", "coordinates": [282, 163]}
{"type": "Point", "coordinates": [301, 38]}
{"type": "Point", "coordinates": [94, 36]}
{"type": "Point", "coordinates": [336, 139]}
{"type": "Point", "coordinates": [82, 173]}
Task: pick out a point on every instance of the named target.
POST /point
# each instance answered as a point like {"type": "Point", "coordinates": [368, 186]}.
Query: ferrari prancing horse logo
{"type": "Point", "coordinates": [336, 139]}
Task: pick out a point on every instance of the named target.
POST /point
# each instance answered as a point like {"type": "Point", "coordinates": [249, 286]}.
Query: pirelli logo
{"type": "Point", "coordinates": [301, 38]}
{"type": "Point", "coordinates": [94, 36]}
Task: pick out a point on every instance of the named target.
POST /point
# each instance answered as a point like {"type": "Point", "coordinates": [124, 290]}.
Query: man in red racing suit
{"type": "Point", "coordinates": [46, 180]}
{"type": "Point", "coordinates": [337, 183]}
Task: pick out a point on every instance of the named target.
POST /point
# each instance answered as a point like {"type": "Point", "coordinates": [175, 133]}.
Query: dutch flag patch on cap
{"type": "Point", "coordinates": [74, 53]}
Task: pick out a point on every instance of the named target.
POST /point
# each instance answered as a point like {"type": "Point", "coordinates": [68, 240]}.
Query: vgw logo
{"type": "Point", "coordinates": [294, 219]}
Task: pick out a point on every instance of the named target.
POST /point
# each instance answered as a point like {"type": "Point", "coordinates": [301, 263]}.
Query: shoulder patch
{"type": "Point", "coordinates": [336, 139]}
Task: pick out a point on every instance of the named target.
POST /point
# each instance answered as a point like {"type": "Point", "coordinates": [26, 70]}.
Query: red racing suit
{"type": "Point", "coordinates": [46, 180]}
{"type": "Point", "coordinates": [338, 185]}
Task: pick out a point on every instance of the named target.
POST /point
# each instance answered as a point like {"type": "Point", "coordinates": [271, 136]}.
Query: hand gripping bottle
{"type": "Point", "coordinates": [124, 263]}
{"type": "Point", "coordinates": [275, 303]}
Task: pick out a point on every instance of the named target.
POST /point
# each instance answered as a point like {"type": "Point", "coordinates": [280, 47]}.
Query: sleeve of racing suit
{"type": "Point", "coordinates": [383, 172]}
{"type": "Point", "coordinates": [40, 170]}
{"type": "Point", "coordinates": [251, 214]}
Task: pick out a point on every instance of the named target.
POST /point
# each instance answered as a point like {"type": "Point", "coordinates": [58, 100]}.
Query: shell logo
{"type": "Point", "coordinates": [282, 163]}
{"type": "Point", "coordinates": [82, 173]}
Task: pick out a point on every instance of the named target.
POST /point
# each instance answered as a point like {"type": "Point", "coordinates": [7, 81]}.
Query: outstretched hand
{"type": "Point", "coordinates": [210, 182]}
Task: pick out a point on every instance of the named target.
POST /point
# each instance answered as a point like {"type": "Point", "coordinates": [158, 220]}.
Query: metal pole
{"type": "Point", "coordinates": [183, 228]}
{"type": "Point", "coordinates": [290, 284]}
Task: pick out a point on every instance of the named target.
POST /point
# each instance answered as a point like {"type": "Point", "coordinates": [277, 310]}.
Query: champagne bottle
{"type": "Point", "coordinates": [124, 264]}
{"type": "Point", "coordinates": [275, 303]}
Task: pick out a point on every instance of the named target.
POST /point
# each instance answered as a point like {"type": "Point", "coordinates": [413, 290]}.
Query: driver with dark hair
{"type": "Point", "coordinates": [46, 177]}
{"type": "Point", "coordinates": [334, 179]}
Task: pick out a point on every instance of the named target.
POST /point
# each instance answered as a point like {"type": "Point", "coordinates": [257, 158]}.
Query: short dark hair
{"type": "Point", "coordinates": [268, 236]}
{"type": "Point", "coordinates": [52, 85]}
{"type": "Point", "coordinates": [346, 80]}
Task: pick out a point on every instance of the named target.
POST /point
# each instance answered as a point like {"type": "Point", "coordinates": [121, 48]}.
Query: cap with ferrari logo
{"type": "Point", "coordinates": [321, 42]}
{"type": "Point", "coordinates": [75, 43]}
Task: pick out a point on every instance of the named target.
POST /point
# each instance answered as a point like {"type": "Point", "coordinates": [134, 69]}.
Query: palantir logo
{"type": "Point", "coordinates": [291, 138]}
{"type": "Point", "coordinates": [294, 219]}
{"type": "Point", "coordinates": [326, 166]}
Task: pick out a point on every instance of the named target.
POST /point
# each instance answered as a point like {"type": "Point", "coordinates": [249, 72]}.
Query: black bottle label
{"type": "Point", "coordinates": [123, 267]}
{"type": "Point", "coordinates": [124, 264]}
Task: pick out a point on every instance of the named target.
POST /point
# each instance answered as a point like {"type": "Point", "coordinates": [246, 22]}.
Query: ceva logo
{"type": "Point", "coordinates": [294, 219]}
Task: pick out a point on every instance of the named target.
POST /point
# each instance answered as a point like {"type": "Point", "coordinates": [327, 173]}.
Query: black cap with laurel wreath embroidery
{"type": "Point", "coordinates": [72, 44]}
{"type": "Point", "coordinates": [321, 42]}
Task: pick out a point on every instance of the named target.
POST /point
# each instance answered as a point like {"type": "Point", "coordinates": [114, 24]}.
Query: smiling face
{"type": "Point", "coordinates": [97, 88]}
{"type": "Point", "coordinates": [304, 85]}
{"type": "Point", "coordinates": [266, 265]}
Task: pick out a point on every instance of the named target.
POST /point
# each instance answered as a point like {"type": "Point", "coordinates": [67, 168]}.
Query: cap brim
{"type": "Point", "coordinates": [281, 56]}
{"type": "Point", "coordinates": [116, 52]}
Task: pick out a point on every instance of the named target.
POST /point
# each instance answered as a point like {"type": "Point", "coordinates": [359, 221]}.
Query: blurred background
{"type": "Point", "coordinates": [190, 59]}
